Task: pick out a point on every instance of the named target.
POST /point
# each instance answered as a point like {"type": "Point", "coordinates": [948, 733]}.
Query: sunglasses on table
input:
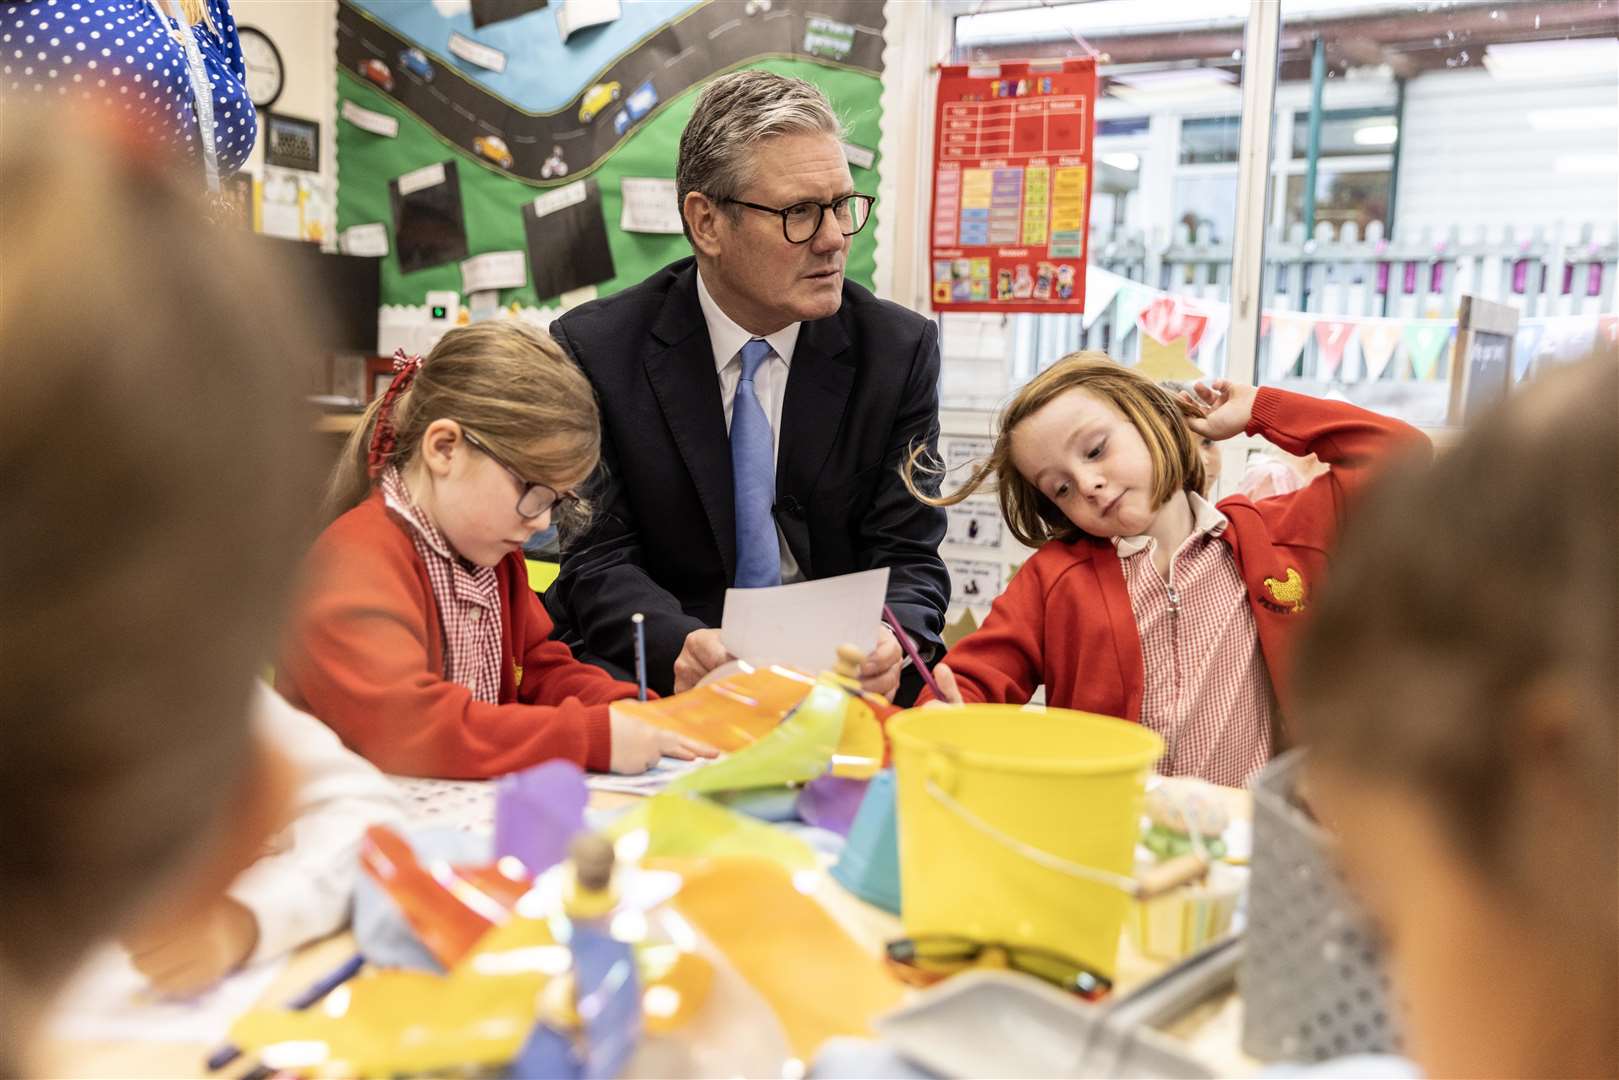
{"type": "Point", "coordinates": [534, 498]}
{"type": "Point", "coordinates": [923, 961]}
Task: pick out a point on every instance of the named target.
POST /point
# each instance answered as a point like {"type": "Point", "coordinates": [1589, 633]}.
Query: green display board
{"type": "Point", "coordinates": [492, 200]}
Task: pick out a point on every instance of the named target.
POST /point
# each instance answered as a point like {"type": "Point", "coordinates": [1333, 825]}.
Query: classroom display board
{"type": "Point", "coordinates": [502, 151]}
{"type": "Point", "coordinates": [1012, 186]}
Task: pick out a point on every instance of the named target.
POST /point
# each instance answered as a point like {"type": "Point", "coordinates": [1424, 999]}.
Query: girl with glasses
{"type": "Point", "coordinates": [418, 638]}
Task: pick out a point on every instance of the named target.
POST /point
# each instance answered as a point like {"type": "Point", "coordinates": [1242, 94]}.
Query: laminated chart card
{"type": "Point", "coordinates": [1012, 185]}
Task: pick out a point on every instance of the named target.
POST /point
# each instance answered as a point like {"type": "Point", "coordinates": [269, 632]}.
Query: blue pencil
{"type": "Point", "coordinates": [640, 652]}
{"type": "Point", "coordinates": [228, 1053]}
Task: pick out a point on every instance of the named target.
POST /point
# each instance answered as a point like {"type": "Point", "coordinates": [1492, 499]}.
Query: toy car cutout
{"type": "Point", "coordinates": [415, 62]}
{"type": "Point", "coordinates": [597, 98]}
{"type": "Point", "coordinates": [635, 107]}
{"type": "Point", "coordinates": [554, 165]}
{"type": "Point", "coordinates": [377, 72]}
{"type": "Point", "coordinates": [494, 148]}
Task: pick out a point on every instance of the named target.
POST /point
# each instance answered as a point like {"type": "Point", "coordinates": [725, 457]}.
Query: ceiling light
{"type": "Point", "coordinates": [1177, 86]}
{"type": "Point", "coordinates": [1122, 160]}
{"type": "Point", "coordinates": [1376, 135]}
{"type": "Point", "coordinates": [1569, 58]}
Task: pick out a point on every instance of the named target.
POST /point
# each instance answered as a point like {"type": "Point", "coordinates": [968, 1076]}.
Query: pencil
{"type": "Point", "coordinates": [640, 653]}
{"type": "Point", "coordinates": [909, 646]}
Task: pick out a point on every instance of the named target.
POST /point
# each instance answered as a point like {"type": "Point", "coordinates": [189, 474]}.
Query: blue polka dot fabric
{"type": "Point", "coordinates": [123, 53]}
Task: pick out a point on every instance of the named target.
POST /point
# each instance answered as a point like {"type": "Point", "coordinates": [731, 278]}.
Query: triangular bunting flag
{"type": "Point", "coordinates": [1167, 360]}
{"type": "Point", "coordinates": [1423, 342]}
{"type": "Point", "coordinates": [1168, 318]}
{"type": "Point", "coordinates": [1288, 333]}
{"type": "Point", "coordinates": [1378, 339]}
{"type": "Point", "coordinates": [1100, 289]}
{"type": "Point", "coordinates": [1133, 297]}
{"type": "Point", "coordinates": [1331, 337]}
{"type": "Point", "coordinates": [1217, 320]}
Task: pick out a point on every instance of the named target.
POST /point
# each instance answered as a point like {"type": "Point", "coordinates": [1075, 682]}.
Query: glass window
{"type": "Point", "coordinates": [1208, 140]}
{"type": "Point", "coordinates": [1465, 149]}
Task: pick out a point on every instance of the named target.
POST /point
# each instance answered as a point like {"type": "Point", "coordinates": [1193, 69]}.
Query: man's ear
{"type": "Point", "coordinates": [438, 446]}
{"type": "Point", "coordinates": [703, 219]}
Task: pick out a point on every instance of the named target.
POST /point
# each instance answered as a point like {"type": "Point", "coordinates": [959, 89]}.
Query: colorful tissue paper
{"type": "Point", "coordinates": [537, 813]}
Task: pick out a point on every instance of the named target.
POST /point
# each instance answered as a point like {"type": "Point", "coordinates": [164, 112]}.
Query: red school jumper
{"type": "Point", "coordinates": [1065, 618]}
{"type": "Point", "coordinates": [365, 653]}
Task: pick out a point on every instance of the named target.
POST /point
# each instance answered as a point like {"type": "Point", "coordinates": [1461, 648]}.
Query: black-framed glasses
{"type": "Point", "coordinates": [922, 961]}
{"type": "Point", "coordinates": [801, 221]}
{"type": "Point", "coordinates": [534, 498]}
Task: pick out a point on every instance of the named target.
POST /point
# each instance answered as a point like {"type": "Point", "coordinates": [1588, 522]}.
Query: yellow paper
{"type": "Point", "coordinates": [798, 750]}
{"type": "Point", "coordinates": [817, 980]}
{"type": "Point", "coordinates": [686, 825]}
{"type": "Point", "coordinates": [1160, 362]}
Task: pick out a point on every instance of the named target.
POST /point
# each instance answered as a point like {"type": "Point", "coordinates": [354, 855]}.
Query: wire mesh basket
{"type": "Point", "coordinates": [1312, 979]}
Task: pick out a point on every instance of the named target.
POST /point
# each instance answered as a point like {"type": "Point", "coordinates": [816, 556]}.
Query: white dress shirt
{"type": "Point", "coordinates": [769, 383]}
{"type": "Point", "coordinates": [301, 888]}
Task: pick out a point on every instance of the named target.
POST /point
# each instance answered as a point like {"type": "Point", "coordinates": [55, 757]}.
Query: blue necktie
{"type": "Point", "coordinates": [753, 474]}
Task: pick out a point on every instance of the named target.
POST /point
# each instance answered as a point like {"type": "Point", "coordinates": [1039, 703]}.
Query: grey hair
{"type": "Point", "coordinates": [733, 113]}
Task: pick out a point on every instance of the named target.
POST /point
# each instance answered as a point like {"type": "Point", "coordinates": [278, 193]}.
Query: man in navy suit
{"type": "Point", "coordinates": [756, 406]}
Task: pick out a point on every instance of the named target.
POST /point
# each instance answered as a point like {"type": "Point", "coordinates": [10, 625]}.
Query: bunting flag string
{"type": "Point", "coordinates": [1167, 319]}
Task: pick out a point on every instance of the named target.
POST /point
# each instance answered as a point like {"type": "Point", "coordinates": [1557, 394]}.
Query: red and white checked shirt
{"type": "Point", "coordinates": [468, 600]}
{"type": "Point", "coordinates": [1206, 690]}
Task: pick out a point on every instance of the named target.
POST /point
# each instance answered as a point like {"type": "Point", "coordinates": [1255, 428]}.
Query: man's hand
{"type": "Point", "coordinates": [1227, 408]}
{"type": "Point", "coordinates": [703, 652]}
{"type": "Point", "coordinates": [185, 959]}
{"type": "Point", "coordinates": [879, 674]}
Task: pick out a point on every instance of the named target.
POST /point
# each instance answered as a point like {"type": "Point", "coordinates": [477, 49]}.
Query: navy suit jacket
{"type": "Point", "coordinates": [862, 389]}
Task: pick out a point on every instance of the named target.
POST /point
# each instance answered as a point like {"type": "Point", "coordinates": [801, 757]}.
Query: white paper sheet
{"type": "Point", "coordinates": [650, 206]}
{"type": "Point", "coordinates": [574, 15]}
{"type": "Point", "coordinates": [476, 52]}
{"type": "Point", "coordinates": [560, 199]}
{"type": "Point", "coordinates": [370, 239]}
{"type": "Point", "coordinates": [802, 625]}
{"type": "Point", "coordinates": [370, 120]}
{"type": "Point", "coordinates": [494, 270]}
{"type": "Point", "coordinates": [650, 782]}
{"type": "Point", "coordinates": [467, 805]}
{"type": "Point", "coordinates": [109, 1000]}
{"type": "Point", "coordinates": [425, 177]}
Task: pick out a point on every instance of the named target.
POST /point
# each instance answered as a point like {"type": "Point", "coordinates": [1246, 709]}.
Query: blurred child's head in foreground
{"type": "Point", "coordinates": [153, 462]}
{"type": "Point", "coordinates": [1458, 690]}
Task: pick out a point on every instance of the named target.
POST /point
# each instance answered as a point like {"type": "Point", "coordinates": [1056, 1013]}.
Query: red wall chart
{"type": "Point", "coordinates": [1012, 186]}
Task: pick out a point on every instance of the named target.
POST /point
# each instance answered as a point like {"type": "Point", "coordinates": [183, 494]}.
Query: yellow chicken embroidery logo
{"type": "Point", "coordinates": [517, 675]}
{"type": "Point", "coordinates": [1289, 591]}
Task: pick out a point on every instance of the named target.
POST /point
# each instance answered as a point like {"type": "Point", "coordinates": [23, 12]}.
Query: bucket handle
{"type": "Point", "coordinates": [1125, 884]}
{"type": "Point", "coordinates": [1172, 874]}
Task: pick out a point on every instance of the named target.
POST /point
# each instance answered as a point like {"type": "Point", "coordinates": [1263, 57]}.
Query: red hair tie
{"type": "Point", "coordinates": [383, 436]}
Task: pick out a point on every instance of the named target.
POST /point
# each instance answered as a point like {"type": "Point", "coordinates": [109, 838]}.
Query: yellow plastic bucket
{"type": "Point", "coordinates": [1012, 823]}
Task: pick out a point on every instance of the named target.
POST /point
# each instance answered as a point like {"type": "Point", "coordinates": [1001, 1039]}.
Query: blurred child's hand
{"type": "Point", "coordinates": [879, 674]}
{"type": "Point", "coordinates": [702, 653]}
{"type": "Point", "coordinates": [637, 745]}
{"type": "Point", "coordinates": [1227, 408]}
{"type": "Point", "coordinates": [185, 959]}
{"type": "Point", "coordinates": [947, 686]}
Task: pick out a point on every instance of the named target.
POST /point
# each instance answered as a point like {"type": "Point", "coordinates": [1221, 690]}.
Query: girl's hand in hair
{"type": "Point", "coordinates": [1226, 408]}
{"type": "Point", "coordinates": [638, 746]}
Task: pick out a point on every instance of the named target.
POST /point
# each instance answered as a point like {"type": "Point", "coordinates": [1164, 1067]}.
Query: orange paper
{"type": "Point", "coordinates": [817, 980]}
